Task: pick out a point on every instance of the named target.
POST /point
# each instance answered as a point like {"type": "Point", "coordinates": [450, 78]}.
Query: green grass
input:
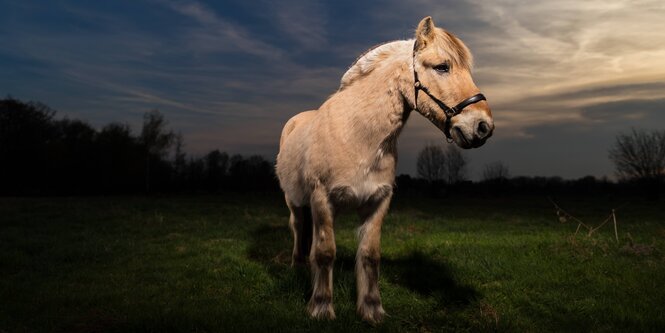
{"type": "Point", "coordinates": [221, 264]}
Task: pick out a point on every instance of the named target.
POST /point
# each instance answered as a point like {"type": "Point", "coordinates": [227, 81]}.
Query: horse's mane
{"type": "Point", "coordinates": [368, 60]}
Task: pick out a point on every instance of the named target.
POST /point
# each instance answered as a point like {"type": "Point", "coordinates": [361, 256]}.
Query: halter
{"type": "Point", "coordinates": [448, 111]}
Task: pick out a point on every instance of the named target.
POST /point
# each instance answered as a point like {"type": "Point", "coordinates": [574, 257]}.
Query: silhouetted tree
{"type": "Point", "coordinates": [639, 154]}
{"type": "Point", "coordinates": [430, 164]}
{"type": "Point", "coordinates": [42, 155]}
{"type": "Point", "coordinates": [216, 166]}
{"type": "Point", "coordinates": [119, 157]}
{"type": "Point", "coordinates": [156, 141]}
{"type": "Point", "coordinates": [195, 174]}
{"type": "Point", "coordinates": [262, 173]}
{"type": "Point", "coordinates": [72, 156]}
{"type": "Point", "coordinates": [253, 173]}
{"type": "Point", "coordinates": [436, 163]}
{"type": "Point", "coordinates": [179, 162]}
{"type": "Point", "coordinates": [495, 171]}
{"type": "Point", "coordinates": [455, 165]}
{"type": "Point", "coordinates": [26, 132]}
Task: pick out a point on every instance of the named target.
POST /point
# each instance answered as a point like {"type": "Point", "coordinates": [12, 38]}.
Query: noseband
{"type": "Point", "coordinates": [448, 111]}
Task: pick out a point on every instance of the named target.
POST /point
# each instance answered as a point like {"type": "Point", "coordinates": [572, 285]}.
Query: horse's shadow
{"type": "Point", "coordinates": [417, 271]}
{"type": "Point", "coordinates": [420, 273]}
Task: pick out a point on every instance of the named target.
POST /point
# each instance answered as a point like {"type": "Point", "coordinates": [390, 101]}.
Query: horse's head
{"type": "Point", "coordinates": [442, 78]}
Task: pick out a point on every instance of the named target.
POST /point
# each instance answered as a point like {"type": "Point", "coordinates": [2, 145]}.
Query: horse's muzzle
{"type": "Point", "coordinates": [472, 138]}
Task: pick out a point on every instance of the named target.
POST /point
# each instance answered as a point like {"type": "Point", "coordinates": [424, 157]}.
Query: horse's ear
{"type": "Point", "coordinates": [424, 32]}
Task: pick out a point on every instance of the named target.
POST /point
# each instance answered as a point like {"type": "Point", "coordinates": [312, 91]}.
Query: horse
{"type": "Point", "coordinates": [343, 155]}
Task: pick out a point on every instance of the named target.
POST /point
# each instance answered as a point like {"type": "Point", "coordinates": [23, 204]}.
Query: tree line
{"type": "Point", "coordinates": [42, 155]}
{"type": "Point", "coordinates": [638, 157]}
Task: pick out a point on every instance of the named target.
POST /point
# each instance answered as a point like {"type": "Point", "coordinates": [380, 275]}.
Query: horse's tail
{"type": "Point", "coordinates": [306, 243]}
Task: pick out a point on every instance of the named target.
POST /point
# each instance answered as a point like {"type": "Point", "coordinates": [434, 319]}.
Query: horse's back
{"type": "Point", "coordinates": [295, 121]}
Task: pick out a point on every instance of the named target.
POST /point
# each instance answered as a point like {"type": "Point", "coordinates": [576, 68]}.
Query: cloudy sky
{"type": "Point", "coordinates": [562, 77]}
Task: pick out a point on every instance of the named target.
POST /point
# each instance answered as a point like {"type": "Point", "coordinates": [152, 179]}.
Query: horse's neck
{"type": "Point", "coordinates": [382, 109]}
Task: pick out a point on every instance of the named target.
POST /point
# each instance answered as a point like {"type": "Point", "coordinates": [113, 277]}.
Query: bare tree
{"type": "Point", "coordinates": [455, 165]}
{"type": "Point", "coordinates": [217, 164]}
{"type": "Point", "coordinates": [495, 171]}
{"type": "Point", "coordinates": [430, 163]}
{"type": "Point", "coordinates": [179, 157]}
{"type": "Point", "coordinates": [155, 139]}
{"type": "Point", "coordinates": [639, 154]}
{"type": "Point", "coordinates": [436, 163]}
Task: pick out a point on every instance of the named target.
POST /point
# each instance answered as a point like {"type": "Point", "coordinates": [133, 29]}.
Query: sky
{"type": "Point", "coordinates": [563, 78]}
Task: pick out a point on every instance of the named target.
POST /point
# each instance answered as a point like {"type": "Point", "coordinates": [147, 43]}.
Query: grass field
{"type": "Point", "coordinates": [221, 264]}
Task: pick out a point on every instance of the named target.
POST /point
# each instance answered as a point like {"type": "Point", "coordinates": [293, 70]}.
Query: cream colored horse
{"type": "Point", "coordinates": [344, 153]}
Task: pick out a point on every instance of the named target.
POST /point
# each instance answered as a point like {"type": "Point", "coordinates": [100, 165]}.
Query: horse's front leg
{"type": "Point", "coordinates": [322, 256]}
{"type": "Point", "coordinates": [367, 259]}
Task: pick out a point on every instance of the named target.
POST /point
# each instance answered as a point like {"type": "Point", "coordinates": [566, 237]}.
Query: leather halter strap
{"type": "Point", "coordinates": [448, 111]}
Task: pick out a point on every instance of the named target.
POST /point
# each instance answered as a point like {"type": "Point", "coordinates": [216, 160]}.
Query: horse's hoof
{"type": "Point", "coordinates": [372, 313]}
{"type": "Point", "coordinates": [321, 310]}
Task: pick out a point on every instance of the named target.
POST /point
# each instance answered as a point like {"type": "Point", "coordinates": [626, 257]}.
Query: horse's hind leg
{"type": "Point", "coordinates": [368, 256]}
{"type": "Point", "coordinates": [301, 227]}
{"type": "Point", "coordinates": [322, 256]}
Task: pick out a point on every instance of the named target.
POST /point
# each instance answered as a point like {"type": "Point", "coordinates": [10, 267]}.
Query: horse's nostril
{"type": "Point", "coordinates": [483, 129]}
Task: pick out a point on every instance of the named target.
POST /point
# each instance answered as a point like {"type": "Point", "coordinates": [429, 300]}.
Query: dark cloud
{"type": "Point", "coordinates": [637, 112]}
{"type": "Point", "coordinates": [646, 90]}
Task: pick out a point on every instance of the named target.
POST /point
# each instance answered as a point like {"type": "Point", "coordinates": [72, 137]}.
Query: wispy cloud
{"type": "Point", "coordinates": [303, 21]}
{"type": "Point", "coordinates": [216, 34]}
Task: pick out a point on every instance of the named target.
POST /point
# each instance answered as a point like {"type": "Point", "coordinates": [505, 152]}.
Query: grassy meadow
{"type": "Point", "coordinates": [222, 264]}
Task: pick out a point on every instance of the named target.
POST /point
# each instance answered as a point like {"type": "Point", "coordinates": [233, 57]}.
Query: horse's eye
{"type": "Point", "coordinates": [442, 68]}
